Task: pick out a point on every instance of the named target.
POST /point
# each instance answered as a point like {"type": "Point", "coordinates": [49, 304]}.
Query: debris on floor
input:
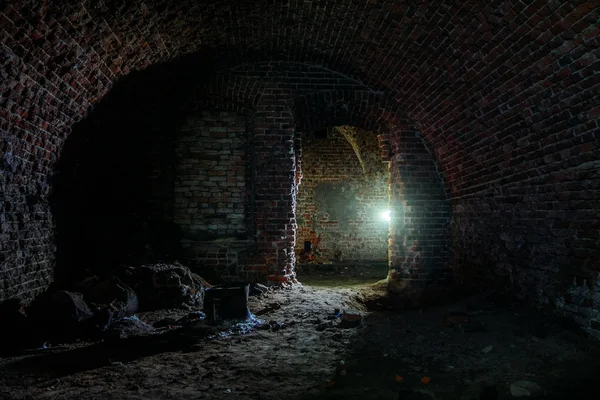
{"type": "Point", "coordinates": [257, 289]}
{"type": "Point", "coordinates": [167, 285]}
{"type": "Point", "coordinates": [487, 349]}
{"type": "Point", "coordinates": [128, 327]}
{"type": "Point", "coordinates": [269, 308]}
{"type": "Point", "coordinates": [525, 389]}
{"type": "Point", "coordinates": [350, 320]}
{"type": "Point", "coordinates": [298, 352]}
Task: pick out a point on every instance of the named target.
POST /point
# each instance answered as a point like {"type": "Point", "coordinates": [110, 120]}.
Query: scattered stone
{"type": "Point", "coordinates": [275, 326]}
{"type": "Point", "coordinates": [264, 327]}
{"type": "Point", "coordinates": [525, 389]}
{"type": "Point", "coordinates": [257, 289]}
{"type": "Point", "coordinates": [487, 349]}
{"type": "Point", "coordinates": [128, 327]}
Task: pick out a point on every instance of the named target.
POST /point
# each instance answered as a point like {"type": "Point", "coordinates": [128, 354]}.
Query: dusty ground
{"type": "Point", "coordinates": [385, 357]}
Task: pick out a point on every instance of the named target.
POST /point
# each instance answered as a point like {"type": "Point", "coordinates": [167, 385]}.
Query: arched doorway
{"type": "Point", "coordinates": [418, 208]}
{"type": "Point", "coordinates": [342, 208]}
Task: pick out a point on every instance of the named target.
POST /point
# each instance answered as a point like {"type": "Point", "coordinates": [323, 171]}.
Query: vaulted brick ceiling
{"type": "Point", "coordinates": [485, 81]}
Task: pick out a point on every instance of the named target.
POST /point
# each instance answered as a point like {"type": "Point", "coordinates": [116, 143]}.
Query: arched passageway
{"type": "Point", "coordinates": [147, 131]}
{"type": "Point", "coordinates": [503, 95]}
{"type": "Point", "coordinates": [342, 208]}
{"type": "Point", "coordinates": [154, 175]}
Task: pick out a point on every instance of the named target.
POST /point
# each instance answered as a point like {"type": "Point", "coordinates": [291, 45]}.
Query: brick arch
{"type": "Point", "coordinates": [372, 110]}
{"type": "Point", "coordinates": [368, 109]}
{"type": "Point", "coordinates": [227, 92]}
{"type": "Point", "coordinates": [113, 183]}
{"type": "Point", "coordinates": [419, 238]}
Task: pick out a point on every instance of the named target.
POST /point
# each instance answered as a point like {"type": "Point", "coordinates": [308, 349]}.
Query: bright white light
{"type": "Point", "coordinates": [386, 215]}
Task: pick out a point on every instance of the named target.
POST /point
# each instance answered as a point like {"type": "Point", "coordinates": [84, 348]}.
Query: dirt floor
{"type": "Point", "coordinates": [301, 349]}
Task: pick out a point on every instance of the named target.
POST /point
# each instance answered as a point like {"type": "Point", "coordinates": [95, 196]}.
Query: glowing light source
{"type": "Point", "coordinates": [386, 215]}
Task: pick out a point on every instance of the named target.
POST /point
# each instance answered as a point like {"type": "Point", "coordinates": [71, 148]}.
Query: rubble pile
{"type": "Point", "coordinates": [101, 308]}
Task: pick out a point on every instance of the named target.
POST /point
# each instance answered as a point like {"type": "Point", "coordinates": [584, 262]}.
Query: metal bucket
{"type": "Point", "coordinates": [227, 302]}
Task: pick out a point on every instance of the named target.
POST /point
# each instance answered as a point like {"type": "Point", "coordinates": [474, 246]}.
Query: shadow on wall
{"type": "Point", "coordinates": [111, 194]}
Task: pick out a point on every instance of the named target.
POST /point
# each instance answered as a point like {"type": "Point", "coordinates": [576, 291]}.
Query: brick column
{"type": "Point", "coordinates": [274, 197]}
{"type": "Point", "coordinates": [418, 240]}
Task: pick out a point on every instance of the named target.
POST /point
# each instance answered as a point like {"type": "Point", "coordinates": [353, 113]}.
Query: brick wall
{"type": "Point", "coordinates": [211, 193]}
{"type": "Point", "coordinates": [340, 200]}
{"type": "Point", "coordinates": [538, 236]}
{"type": "Point", "coordinates": [210, 176]}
